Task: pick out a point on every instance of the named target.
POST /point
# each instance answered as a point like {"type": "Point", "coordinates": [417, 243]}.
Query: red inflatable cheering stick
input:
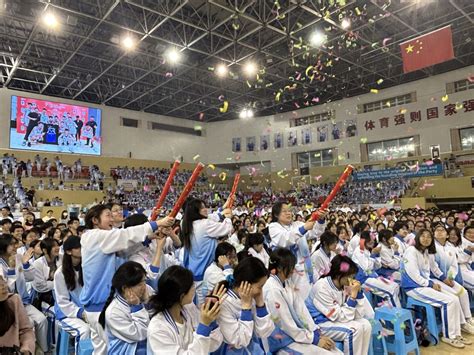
{"type": "Point", "coordinates": [342, 179]}
{"type": "Point", "coordinates": [187, 189]}
{"type": "Point", "coordinates": [234, 190]}
{"type": "Point", "coordinates": [165, 191]}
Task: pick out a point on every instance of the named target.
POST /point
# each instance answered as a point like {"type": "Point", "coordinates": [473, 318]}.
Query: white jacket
{"type": "Point", "coordinates": [164, 338]}
{"type": "Point", "coordinates": [41, 282]}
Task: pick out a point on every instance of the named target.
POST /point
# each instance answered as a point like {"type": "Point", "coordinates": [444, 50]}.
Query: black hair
{"type": "Point", "coordinates": [399, 225]}
{"type": "Point", "coordinates": [283, 259]}
{"type": "Point", "coordinates": [341, 266]}
{"type": "Point", "coordinates": [276, 210]}
{"type": "Point", "coordinates": [52, 231]}
{"type": "Point", "coordinates": [340, 228]}
{"type": "Point", "coordinates": [64, 233]}
{"type": "Point", "coordinates": [327, 238]}
{"type": "Point", "coordinates": [466, 228]}
{"type": "Point", "coordinates": [432, 248]}
{"type": "Point", "coordinates": [250, 269]}
{"type": "Point", "coordinates": [385, 235]}
{"type": "Point", "coordinates": [48, 244]}
{"type": "Point", "coordinates": [15, 226]}
{"type": "Point", "coordinates": [458, 233]}
{"type": "Point", "coordinates": [367, 237]}
{"type": "Point", "coordinates": [32, 230]}
{"type": "Point", "coordinates": [360, 226]}
{"type": "Point", "coordinates": [69, 272]}
{"type": "Point", "coordinates": [129, 274]}
{"type": "Point", "coordinates": [191, 214]}
{"type": "Point", "coordinates": [72, 219]}
{"type": "Point", "coordinates": [329, 225]}
{"type": "Point", "coordinates": [242, 234]}
{"type": "Point", "coordinates": [62, 214]}
{"type": "Point", "coordinates": [254, 239]}
{"type": "Point", "coordinates": [8, 315]}
{"type": "Point", "coordinates": [94, 212]}
{"type": "Point", "coordinates": [223, 248]}
{"type": "Point", "coordinates": [5, 241]}
{"type": "Point", "coordinates": [135, 220]}
{"type": "Point", "coordinates": [173, 284]}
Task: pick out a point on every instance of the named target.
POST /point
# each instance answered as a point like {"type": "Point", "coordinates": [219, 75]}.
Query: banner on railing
{"type": "Point", "coordinates": [405, 172]}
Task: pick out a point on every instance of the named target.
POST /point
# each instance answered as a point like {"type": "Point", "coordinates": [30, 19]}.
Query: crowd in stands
{"type": "Point", "coordinates": [230, 279]}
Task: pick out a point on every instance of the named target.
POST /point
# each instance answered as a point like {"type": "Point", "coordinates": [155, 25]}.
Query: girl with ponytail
{"type": "Point", "coordinates": [177, 326]}
{"type": "Point", "coordinates": [244, 319]}
{"type": "Point", "coordinates": [295, 329]}
{"type": "Point", "coordinates": [337, 305]}
{"type": "Point", "coordinates": [124, 317]}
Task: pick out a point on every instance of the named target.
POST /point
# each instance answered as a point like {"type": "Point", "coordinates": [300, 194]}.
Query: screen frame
{"type": "Point", "coordinates": [47, 151]}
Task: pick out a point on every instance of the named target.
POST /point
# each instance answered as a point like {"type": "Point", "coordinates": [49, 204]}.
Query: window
{"type": "Point", "coordinates": [156, 126]}
{"type": "Point", "coordinates": [386, 103]}
{"type": "Point", "coordinates": [392, 149]}
{"type": "Point", "coordinates": [129, 122]}
{"type": "Point", "coordinates": [467, 138]}
{"type": "Point", "coordinates": [320, 117]}
{"type": "Point", "coordinates": [463, 85]}
{"type": "Point", "coordinates": [317, 158]}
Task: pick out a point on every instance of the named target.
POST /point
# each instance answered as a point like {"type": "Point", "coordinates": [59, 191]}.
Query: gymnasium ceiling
{"type": "Point", "coordinates": [83, 58]}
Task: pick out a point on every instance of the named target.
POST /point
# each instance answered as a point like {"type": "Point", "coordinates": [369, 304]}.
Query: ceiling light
{"type": "Point", "coordinates": [346, 23]}
{"type": "Point", "coordinates": [221, 70]}
{"type": "Point", "coordinates": [128, 42]}
{"type": "Point", "coordinates": [173, 55]}
{"type": "Point", "coordinates": [317, 38]}
{"type": "Point", "coordinates": [250, 69]}
{"type": "Point", "coordinates": [246, 113]}
{"type": "Point", "coordinates": [50, 20]}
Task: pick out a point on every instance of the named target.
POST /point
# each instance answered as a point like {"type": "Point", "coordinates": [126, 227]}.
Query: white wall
{"type": "Point", "coordinates": [429, 93]}
{"type": "Point", "coordinates": [118, 141]}
{"type": "Point", "coordinates": [216, 146]}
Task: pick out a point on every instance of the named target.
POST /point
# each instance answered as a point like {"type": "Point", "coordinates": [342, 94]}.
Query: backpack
{"type": "Point", "coordinates": [423, 335]}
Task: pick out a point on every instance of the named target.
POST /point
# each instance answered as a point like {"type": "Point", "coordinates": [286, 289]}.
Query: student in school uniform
{"type": "Point", "coordinates": [344, 238]}
{"type": "Point", "coordinates": [225, 259]}
{"type": "Point", "coordinates": [255, 247]}
{"type": "Point", "coordinates": [466, 257]}
{"type": "Point", "coordinates": [367, 258]}
{"type": "Point", "coordinates": [28, 237]}
{"type": "Point", "coordinates": [325, 251]}
{"type": "Point", "coordinates": [336, 303]}
{"type": "Point", "coordinates": [44, 269]}
{"type": "Point", "coordinates": [17, 272]}
{"type": "Point", "coordinates": [177, 326]}
{"type": "Point", "coordinates": [389, 255]}
{"type": "Point", "coordinates": [124, 316]}
{"type": "Point", "coordinates": [417, 282]}
{"type": "Point", "coordinates": [199, 234]}
{"type": "Point", "coordinates": [362, 226]}
{"type": "Point", "coordinates": [446, 263]}
{"type": "Point", "coordinates": [243, 319]}
{"type": "Point", "coordinates": [286, 233]}
{"type": "Point", "coordinates": [400, 231]}
{"type": "Point", "coordinates": [100, 243]}
{"type": "Point", "coordinates": [295, 330]}
{"type": "Point", "coordinates": [68, 284]}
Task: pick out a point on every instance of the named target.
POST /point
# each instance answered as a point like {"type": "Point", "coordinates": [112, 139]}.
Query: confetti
{"type": "Point", "coordinates": [212, 166]}
{"type": "Point", "coordinates": [385, 40]}
{"type": "Point", "coordinates": [201, 116]}
{"type": "Point", "coordinates": [380, 81]}
{"type": "Point", "coordinates": [344, 267]}
{"type": "Point", "coordinates": [445, 98]}
{"type": "Point", "coordinates": [221, 98]}
{"type": "Point", "coordinates": [318, 177]}
{"type": "Point", "coordinates": [196, 157]}
{"type": "Point", "coordinates": [429, 162]}
{"type": "Point", "coordinates": [223, 176]}
{"type": "Point", "coordinates": [374, 91]}
{"type": "Point", "coordinates": [277, 96]}
{"type": "Point", "coordinates": [470, 78]}
{"type": "Point", "coordinates": [331, 312]}
{"type": "Point", "coordinates": [235, 26]}
{"type": "Point", "coordinates": [169, 74]}
{"type": "Point", "coordinates": [224, 107]}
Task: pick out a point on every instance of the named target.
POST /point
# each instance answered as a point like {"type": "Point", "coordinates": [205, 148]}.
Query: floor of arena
{"type": "Point", "coordinates": [445, 349]}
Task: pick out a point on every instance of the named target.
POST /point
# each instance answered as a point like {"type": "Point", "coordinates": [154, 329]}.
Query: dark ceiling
{"type": "Point", "coordinates": [83, 59]}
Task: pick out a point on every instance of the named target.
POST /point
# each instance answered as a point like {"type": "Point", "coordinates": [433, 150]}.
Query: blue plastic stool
{"type": "Point", "coordinates": [340, 345]}
{"type": "Point", "coordinates": [378, 346]}
{"type": "Point", "coordinates": [471, 299]}
{"type": "Point", "coordinates": [433, 326]}
{"type": "Point", "coordinates": [65, 348]}
{"type": "Point", "coordinates": [398, 317]}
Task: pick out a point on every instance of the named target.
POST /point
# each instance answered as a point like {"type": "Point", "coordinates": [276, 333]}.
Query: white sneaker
{"type": "Point", "coordinates": [470, 321]}
{"type": "Point", "coordinates": [464, 340]}
{"type": "Point", "coordinates": [468, 328]}
{"type": "Point", "coordinates": [453, 342]}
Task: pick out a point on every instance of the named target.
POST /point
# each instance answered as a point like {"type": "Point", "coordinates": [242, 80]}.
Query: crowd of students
{"type": "Point", "coordinates": [222, 282]}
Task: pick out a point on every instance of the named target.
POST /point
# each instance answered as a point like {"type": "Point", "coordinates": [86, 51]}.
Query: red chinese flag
{"type": "Point", "coordinates": [430, 49]}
